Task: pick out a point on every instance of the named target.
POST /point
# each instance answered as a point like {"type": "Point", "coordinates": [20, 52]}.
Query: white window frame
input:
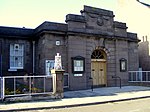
{"type": "Point", "coordinates": [16, 53]}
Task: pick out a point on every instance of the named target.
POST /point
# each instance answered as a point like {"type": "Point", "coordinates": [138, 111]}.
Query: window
{"type": "Point", "coordinates": [49, 66]}
{"type": "Point", "coordinates": [16, 56]}
{"type": "Point", "coordinates": [97, 54]}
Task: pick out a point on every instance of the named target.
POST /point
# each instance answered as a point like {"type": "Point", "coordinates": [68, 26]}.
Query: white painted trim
{"type": "Point", "coordinates": [138, 71]}
{"type": "Point", "coordinates": [12, 69]}
{"type": "Point", "coordinates": [98, 60]}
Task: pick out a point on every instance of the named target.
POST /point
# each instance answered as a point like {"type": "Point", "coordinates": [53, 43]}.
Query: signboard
{"type": "Point", "coordinates": [78, 75]}
{"type": "Point", "coordinates": [123, 65]}
{"type": "Point", "coordinates": [78, 65]}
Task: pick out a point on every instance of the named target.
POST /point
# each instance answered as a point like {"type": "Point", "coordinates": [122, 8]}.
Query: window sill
{"type": "Point", "coordinates": [15, 68]}
{"type": "Point", "coordinates": [12, 69]}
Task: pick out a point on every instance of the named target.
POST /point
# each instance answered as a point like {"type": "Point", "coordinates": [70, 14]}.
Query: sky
{"type": "Point", "coordinates": [32, 13]}
{"type": "Point", "coordinates": [136, 15]}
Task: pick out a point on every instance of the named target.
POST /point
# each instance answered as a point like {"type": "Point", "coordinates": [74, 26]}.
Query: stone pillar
{"type": "Point", "coordinates": [58, 83]}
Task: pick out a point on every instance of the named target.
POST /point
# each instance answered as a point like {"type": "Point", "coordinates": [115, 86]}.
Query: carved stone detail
{"type": "Point", "coordinates": [100, 21]}
{"type": "Point", "coordinates": [93, 15]}
{"type": "Point", "coordinates": [106, 18]}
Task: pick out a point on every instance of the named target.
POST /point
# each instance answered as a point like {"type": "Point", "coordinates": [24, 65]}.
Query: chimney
{"type": "Point", "coordinates": [146, 37]}
{"type": "Point", "coordinates": [143, 38]}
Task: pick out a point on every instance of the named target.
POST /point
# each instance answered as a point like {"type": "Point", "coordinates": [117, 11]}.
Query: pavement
{"type": "Point", "coordinates": [82, 98]}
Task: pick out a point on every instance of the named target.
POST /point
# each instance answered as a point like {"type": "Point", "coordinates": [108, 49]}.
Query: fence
{"type": "Point", "coordinates": [139, 76]}
{"type": "Point", "coordinates": [28, 85]}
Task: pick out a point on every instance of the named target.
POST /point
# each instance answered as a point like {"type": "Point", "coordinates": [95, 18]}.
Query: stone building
{"type": "Point", "coordinates": [92, 45]}
{"type": "Point", "coordinates": [144, 57]}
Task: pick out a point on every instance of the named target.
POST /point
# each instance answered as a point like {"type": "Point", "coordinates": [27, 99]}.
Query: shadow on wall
{"type": "Point", "coordinates": [144, 57]}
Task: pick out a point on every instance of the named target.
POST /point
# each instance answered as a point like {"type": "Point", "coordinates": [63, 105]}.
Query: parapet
{"type": "Point", "coordinates": [75, 18]}
{"type": "Point", "coordinates": [132, 36]}
{"type": "Point", "coordinates": [120, 25]}
{"type": "Point", "coordinates": [97, 11]}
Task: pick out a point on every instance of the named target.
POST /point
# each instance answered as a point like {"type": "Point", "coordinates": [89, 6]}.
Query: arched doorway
{"type": "Point", "coordinates": [98, 68]}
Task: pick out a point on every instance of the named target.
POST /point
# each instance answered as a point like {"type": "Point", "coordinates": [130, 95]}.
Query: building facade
{"type": "Point", "coordinates": [144, 57]}
{"type": "Point", "coordinates": [92, 45]}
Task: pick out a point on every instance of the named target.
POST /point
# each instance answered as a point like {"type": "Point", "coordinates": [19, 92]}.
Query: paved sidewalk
{"type": "Point", "coordinates": [83, 97]}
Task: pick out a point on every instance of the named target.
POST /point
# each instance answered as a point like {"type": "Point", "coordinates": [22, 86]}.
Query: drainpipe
{"type": "Point", "coordinates": [116, 47]}
{"type": "Point", "coordinates": [33, 65]}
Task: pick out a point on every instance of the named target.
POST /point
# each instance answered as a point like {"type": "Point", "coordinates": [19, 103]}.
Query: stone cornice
{"type": "Point", "coordinates": [97, 11]}
{"type": "Point", "coordinates": [75, 18]}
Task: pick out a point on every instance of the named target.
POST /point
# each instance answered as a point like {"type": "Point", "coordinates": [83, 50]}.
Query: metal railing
{"type": "Point", "coordinates": [139, 76]}
{"type": "Point", "coordinates": [26, 85]}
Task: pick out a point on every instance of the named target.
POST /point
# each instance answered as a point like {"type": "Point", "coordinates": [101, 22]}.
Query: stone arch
{"type": "Point", "coordinates": [98, 54]}
{"type": "Point", "coordinates": [103, 49]}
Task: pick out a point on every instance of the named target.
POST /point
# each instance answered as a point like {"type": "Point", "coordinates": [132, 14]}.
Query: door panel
{"type": "Point", "coordinates": [102, 70]}
{"type": "Point", "coordinates": [98, 72]}
{"type": "Point", "coordinates": [95, 73]}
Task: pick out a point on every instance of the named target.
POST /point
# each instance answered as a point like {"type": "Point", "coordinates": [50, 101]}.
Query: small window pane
{"type": "Point", "coordinates": [16, 55]}
{"type": "Point", "coordinates": [97, 54]}
{"type": "Point", "coordinates": [12, 61]}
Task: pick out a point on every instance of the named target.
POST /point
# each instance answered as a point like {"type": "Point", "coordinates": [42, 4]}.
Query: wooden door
{"type": "Point", "coordinates": [102, 73]}
{"type": "Point", "coordinates": [98, 73]}
{"type": "Point", "coordinates": [95, 72]}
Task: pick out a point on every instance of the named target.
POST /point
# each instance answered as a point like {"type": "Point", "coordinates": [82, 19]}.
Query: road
{"type": "Point", "coordinates": [140, 105]}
